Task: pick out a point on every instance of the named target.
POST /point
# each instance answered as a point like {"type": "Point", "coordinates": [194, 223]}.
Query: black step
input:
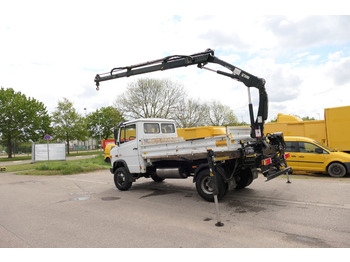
{"type": "Point", "coordinates": [273, 175]}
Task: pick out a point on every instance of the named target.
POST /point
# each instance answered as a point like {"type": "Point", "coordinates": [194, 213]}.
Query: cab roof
{"type": "Point", "coordinates": [152, 120]}
{"type": "Point", "coordinates": [298, 138]}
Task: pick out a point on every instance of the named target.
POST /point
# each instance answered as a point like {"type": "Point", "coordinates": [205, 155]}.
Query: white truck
{"type": "Point", "coordinates": [151, 147]}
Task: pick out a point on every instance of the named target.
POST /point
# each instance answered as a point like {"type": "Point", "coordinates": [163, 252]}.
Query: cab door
{"type": "Point", "coordinates": [128, 148]}
{"type": "Point", "coordinates": [311, 157]}
{"type": "Point", "coordinates": [293, 160]}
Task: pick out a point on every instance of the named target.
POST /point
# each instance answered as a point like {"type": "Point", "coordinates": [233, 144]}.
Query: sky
{"type": "Point", "coordinates": [53, 49]}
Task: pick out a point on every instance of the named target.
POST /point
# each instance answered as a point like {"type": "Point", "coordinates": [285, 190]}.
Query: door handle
{"type": "Point", "coordinates": [135, 148]}
{"type": "Point", "coordinates": [301, 156]}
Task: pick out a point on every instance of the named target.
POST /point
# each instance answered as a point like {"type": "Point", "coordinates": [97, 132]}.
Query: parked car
{"type": "Point", "coordinates": [309, 155]}
{"type": "Point", "coordinates": [108, 148]}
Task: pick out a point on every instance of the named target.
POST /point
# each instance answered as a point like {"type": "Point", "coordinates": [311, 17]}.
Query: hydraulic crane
{"type": "Point", "coordinates": [201, 60]}
{"type": "Point", "coordinates": [271, 146]}
{"type": "Point", "coordinates": [237, 170]}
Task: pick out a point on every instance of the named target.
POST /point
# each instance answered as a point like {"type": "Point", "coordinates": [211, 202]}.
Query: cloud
{"type": "Point", "coordinates": [220, 38]}
{"type": "Point", "coordinates": [300, 33]}
{"type": "Point", "coordinates": [339, 71]}
{"type": "Point", "coordinates": [282, 81]}
{"type": "Point", "coordinates": [56, 50]}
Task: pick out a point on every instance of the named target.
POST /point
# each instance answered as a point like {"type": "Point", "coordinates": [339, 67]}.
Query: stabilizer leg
{"type": "Point", "coordinates": [210, 156]}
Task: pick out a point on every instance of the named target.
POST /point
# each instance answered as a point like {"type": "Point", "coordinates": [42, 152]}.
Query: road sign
{"type": "Point", "coordinates": [47, 137]}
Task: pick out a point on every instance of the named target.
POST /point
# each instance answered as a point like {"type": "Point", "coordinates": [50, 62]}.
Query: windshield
{"type": "Point", "coordinates": [324, 146]}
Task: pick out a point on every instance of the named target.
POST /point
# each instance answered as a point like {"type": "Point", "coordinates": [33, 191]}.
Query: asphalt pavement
{"type": "Point", "coordinates": [86, 210]}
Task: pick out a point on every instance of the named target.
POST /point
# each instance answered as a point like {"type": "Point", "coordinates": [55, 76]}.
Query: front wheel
{"type": "Point", "coordinates": [204, 185]}
{"type": "Point", "coordinates": [122, 179]}
{"type": "Point", "coordinates": [336, 170]}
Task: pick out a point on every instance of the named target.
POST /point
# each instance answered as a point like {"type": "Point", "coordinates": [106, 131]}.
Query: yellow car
{"type": "Point", "coordinates": [309, 155]}
{"type": "Point", "coordinates": [108, 152]}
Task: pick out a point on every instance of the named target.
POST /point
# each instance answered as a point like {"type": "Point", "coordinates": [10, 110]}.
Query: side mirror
{"type": "Point", "coordinates": [319, 150]}
{"type": "Point", "coordinates": [116, 136]}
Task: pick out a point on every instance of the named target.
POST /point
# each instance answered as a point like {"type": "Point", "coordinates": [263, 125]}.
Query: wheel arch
{"type": "Point", "coordinates": [199, 169]}
{"type": "Point", "coordinates": [119, 163]}
{"type": "Point", "coordinates": [338, 162]}
{"type": "Point", "coordinates": [345, 165]}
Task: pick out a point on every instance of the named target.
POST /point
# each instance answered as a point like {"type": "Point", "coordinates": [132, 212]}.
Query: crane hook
{"type": "Point", "coordinates": [97, 78]}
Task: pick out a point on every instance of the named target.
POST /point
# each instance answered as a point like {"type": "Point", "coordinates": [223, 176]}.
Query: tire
{"type": "Point", "coordinates": [244, 179]}
{"type": "Point", "coordinates": [157, 178]}
{"type": "Point", "coordinates": [336, 170]}
{"type": "Point", "coordinates": [122, 179]}
{"type": "Point", "coordinates": [204, 185]}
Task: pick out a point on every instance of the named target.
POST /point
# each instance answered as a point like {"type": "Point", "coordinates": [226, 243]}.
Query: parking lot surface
{"type": "Point", "coordinates": [86, 210]}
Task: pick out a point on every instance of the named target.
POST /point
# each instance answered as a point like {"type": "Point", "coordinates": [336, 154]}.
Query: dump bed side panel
{"type": "Point", "coordinates": [224, 145]}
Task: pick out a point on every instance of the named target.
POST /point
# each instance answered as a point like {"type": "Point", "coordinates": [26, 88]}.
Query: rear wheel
{"type": "Point", "coordinates": [336, 170]}
{"type": "Point", "coordinates": [122, 179]}
{"type": "Point", "coordinates": [244, 179]}
{"type": "Point", "coordinates": [157, 178]}
{"type": "Point", "coordinates": [204, 185]}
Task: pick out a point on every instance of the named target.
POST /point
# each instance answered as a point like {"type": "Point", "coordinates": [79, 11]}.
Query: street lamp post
{"type": "Point", "coordinates": [99, 131]}
{"type": "Point", "coordinates": [85, 109]}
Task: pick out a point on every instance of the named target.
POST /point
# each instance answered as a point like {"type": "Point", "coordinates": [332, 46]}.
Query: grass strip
{"type": "Point", "coordinates": [60, 167]}
{"type": "Point", "coordinates": [29, 157]}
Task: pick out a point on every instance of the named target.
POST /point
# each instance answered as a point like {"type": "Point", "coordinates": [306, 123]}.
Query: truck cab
{"type": "Point", "coordinates": [130, 136]}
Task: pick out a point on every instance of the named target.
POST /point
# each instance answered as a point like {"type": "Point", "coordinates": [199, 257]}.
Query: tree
{"type": "Point", "coordinates": [21, 118]}
{"type": "Point", "coordinates": [220, 115]}
{"type": "Point", "coordinates": [148, 98]}
{"type": "Point", "coordinates": [190, 113]}
{"type": "Point", "coordinates": [307, 118]}
{"type": "Point", "coordinates": [106, 118]}
{"type": "Point", "coordinates": [68, 125]}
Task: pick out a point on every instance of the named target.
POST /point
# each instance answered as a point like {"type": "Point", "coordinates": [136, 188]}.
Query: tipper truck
{"type": "Point", "coordinates": [151, 148]}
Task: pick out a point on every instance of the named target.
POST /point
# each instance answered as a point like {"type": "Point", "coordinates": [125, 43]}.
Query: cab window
{"type": "Point", "coordinates": [305, 147]}
{"type": "Point", "coordinates": [151, 128]}
{"type": "Point", "coordinates": [127, 133]}
{"type": "Point", "coordinates": [168, 128]}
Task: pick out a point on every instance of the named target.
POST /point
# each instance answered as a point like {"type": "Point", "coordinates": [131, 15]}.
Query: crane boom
{"type": "Point", "coordinates": [200, 59]}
